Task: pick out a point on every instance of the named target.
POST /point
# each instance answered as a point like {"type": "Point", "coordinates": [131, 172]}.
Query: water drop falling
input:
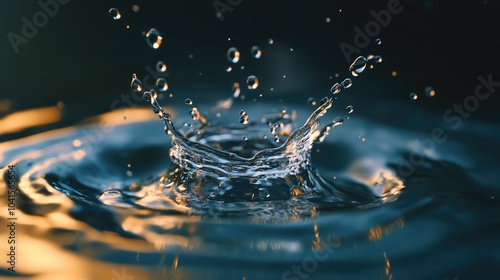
{"type": "Point", "coordinates": [256, 52]}
{"type": "Point", "coordinates": [161, 84]}
{"type": "Point", "coordinates": [161, 66]}
{"type": "Point", "coordinates": [374, 58]}
{"type": "Point", "coordinates": [413, 96]}
{"type": "Point", "coordinates": [233, 55]}
{"type": "Point", "coordinates": [378, 41]}
{"type": "Point", "coordinates": [136, 84]}
{"type": "Point", "coordinates": [236, 90]}
{"type": "Point", "coordinates": [153, 38]}
{"type": "Point", "coordinates": [349, 109]}
{"type": "Point", "coordinates": [358, 66]}
{"type": "Point", "coordinates": [311, 101]}
{"type": "Point", "coordinates": [347, 83]}
{"type": "Point", "coordinates": [336, 88]}
{"type": "Point", "coordinates": [188, 101]}
{"type": "Point", "coordinates": [276, 138]}
{"type": "Point", "coordinates": [252, 82]}
{"type": "Point", "coordinates": [337, 121]}
{"type": "Point", "coordinates": [270, 41]}
{"type": "Point", "coordinates": [244, 119]}
{"type": "Point", "coordinates": [429, 91]}
{"type": "Point", "coordinates": [115, 14]}
{"type": "Point", "coordinates": [229, 69]}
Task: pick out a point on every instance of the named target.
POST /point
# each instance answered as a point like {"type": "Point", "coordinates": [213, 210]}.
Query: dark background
{"type": "Point", "coordinates": [85, 59]}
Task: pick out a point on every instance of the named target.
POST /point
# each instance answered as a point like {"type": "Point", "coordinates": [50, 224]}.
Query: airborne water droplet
{"type": "Point", "coordinates": [337, 121]}
{"type": "Point", "coordinates": [188, 101]}
{"type": "Point", "coordinates": [161, 84]}
{"type": "Point", "coordinates": [349, 109]}
{"type": "Point", "coordinates": [347, 83]}
{"type": "Point", "coordinates": [374, 58]}
{"type": "Point", "coordinates": [270, 41]}
{"type": "Point", "coordinates": [252, 82]}
{"type": "Point", "coordinates": [358, 66]}
{"type": "Point", "coordinates": [311, 101]}
{"type": "Point", "coordinates": [413, 96]}
{"type": "Point", "coordinates": [244, 119]}
{"type": "Point", "coordinates": [115, 14]}
{"type": "Point", "coordinates": [136, 84]}
{"type": "Point", "coordinates": [429, 91]}
{"type": "Point", "coordinates": [236, 90]}
{"type": "Point", "coordinates": [153, 38]}
{"type": "Point", "coordinates": [229, 69]}
{"type": "Point", "coordinates": [161, 66]}
{"type": "Point", "coordinates": [336, 88]}
{"type": "Point", "coordinates": [378, 41]}
{"type": "Point", "coordinates": [233, 55]}
{"type": "Point", "coordinates": [256, 52]}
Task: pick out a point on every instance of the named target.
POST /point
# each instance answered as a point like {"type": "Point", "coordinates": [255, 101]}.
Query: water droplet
{"type": "Point", "coordinates": [413, 96]}
{"type": "Point", "coordinates": [324, 100]}
{"type": "Point", "coordinates": [358, 66]}
{"type": "Point", "coordinates": [256, 52]}
{"type": "Point", "coordinates": [148, 96]}
{"type": "Point", "coordinates": [233, 55]}
{"type": "Point", "coordinates": [244, 119]}
{"type": "Point", "coordinates": [135, 8]}
{"type": "Point", "coordinates": [252, 82]}
{"type": "Point", "coordinates": [349, 109]}
{"type": "Point", "coordinates": [328, 20]}
{"type": "Point", "coordinates": [336, 88]}
{"type": "Point", "coordinates": [429, 91]}
{"type": "Point", "coordinates": [347, 83]}
{"type": "Point", "coordinates": [161, 84]}
{"type": "Point", "coordinates": [136, 84]}
{"type": "Point", "coordinates": [337, 121]}
{"type": "Point", "coordinates": [236, 90]}
{"type": "Point", "coordinates": [245, 138]}
{"type": "Point", "coordinates": [291, 49]}
{"type": "Point", "coordinates": [374, 58]}
{"type": "Point", "coordinates": [378, 41]}
{"type": "Point", "coordinates": [129, 173]}
{"type": "Point", "coordinates": [153, 38]}
{"type": "Point", "coordinates": [311, 101]}
{"type": "Point", "coordinates": [270, 41]}
{"type": "Point", "coordinates": [229, 69]}
{"type": "Point", "coordinates": [276, 138]}
{"type": "Point", "coordinates": [115, 14]}
{"type": "Point", "coordinates": [190, 56]}
{"type": "Point", "coordinates": [188, 101]}
{"type": "Point", "coordinates": [161, 66]}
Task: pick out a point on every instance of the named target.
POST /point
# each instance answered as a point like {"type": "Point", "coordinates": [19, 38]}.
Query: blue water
{"type": "Point", "coordinates": [91, 205]}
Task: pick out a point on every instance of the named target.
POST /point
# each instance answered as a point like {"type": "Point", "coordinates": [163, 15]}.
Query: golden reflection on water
{"type": "Point", "coordinates": [378, 232]}
{"type": "Point", "coordinates": [22, 120]}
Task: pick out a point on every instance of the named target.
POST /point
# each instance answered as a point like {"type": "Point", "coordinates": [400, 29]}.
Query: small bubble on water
{"type": "Point", "coordinates": [378, 41]}
{"type": "Point", "coordinates": [429, 91]}
{"type": "Point", "coordinates": [413, 96]}
{"type": "Point", "coordinates": [111, 194]}
{"type": "Point", "coordinates": [252, 82]}
{"type": "Point", "coordinates": [349, 109]}
{"type": "Point", "coordinates": [114, 13]}
{"type": "Point", "coordinates": [358, 66]}
{"type": "Point", "coordinates": [244, 119]}
{"type": "Point", "coordinates": [256, 52]}
{"type": "Point", "coordinates": [311, 101]}
{"type": "Point", "coordinates": [188, 101]}
{"type": "Point", "coordinates": [233, 55]}
{"type": "Point", "coordinates": [136, 84]}
{"type": "Point", "coordinates": [161, 66]}
{"type": "Point", "coordinates": [161, 84]}
{"type": "Point", "coordinates": [229, 69]}
{"type": "Point", "coordinates": [336, 88]}
{"type": "Point", "coordinates": [347, 83]}
{"type": "Point", "coordinates": [153, 38]}
{"type": "Point", "coordinates": [270, 41]}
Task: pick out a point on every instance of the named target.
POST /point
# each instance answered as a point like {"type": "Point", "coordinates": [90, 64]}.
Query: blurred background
{"type": "Point", "coordinates": [80, 61]}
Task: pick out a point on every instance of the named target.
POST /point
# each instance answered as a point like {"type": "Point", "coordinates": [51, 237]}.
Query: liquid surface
{"type": "Point", "coordinates": [103, 195]}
